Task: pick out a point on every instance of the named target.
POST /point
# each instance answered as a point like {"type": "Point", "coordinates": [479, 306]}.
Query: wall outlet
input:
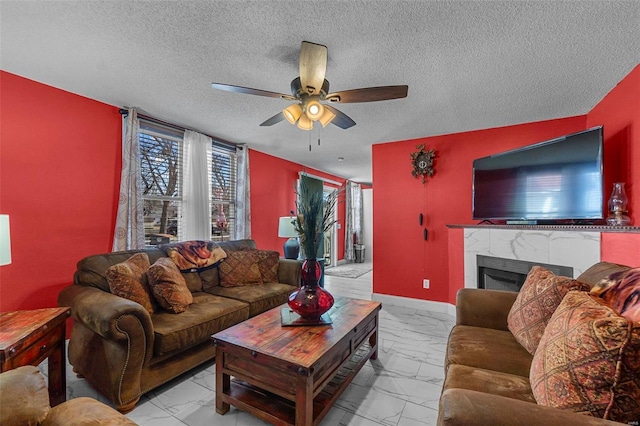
{"type": "Point", "coordinates": [425, 283]}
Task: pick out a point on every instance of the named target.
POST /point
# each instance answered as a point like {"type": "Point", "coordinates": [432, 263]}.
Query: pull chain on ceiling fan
{"type": "Point", "coordinates": [311, 92]}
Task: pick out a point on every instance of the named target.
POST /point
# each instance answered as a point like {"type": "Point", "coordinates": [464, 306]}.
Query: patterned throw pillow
{"type": "Point", "coordinates": [240, 268]}
{"type": "Point", "coordinates": [587, 361]}
{"type": "Point", "coordinates": [194, 255]}
{"type": "Point", "coordinates": [169, 286]}
{"type": "Point", "coordinates": [268, 262]}
{"type": "Point", "coordinates": [621, 291]}
{"type": "Point", "coordinates": [539, 297]}
{"type": "Point", "coordinates": [129, 280]}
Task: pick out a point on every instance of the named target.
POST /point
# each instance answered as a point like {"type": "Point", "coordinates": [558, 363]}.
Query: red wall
{"type": "Point", "coordinates": [619, 111]}
{"type": "Point", "coordinates": [269, 173]}
{"type": "Point", "coordinates": [60, 161]}
{"type": "Point", "coordinates": [59, 176]}
{"type": "Point", "coordinates": [402, 259]}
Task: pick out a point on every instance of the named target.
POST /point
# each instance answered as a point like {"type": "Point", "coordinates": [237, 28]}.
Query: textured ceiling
{"type": "Point", "coordinates": [468, 64]}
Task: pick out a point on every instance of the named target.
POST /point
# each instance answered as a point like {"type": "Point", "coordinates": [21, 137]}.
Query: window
{"type": "Point", "coordinates": [162, 162]}
{"type": "Point", "coordinates": [223, 193]}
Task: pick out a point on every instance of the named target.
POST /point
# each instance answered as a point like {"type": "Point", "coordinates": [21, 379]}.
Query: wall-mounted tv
{"type": "Point", "coordinates": [555, 180]}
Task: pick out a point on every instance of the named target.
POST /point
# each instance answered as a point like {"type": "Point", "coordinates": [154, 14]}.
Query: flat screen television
{"type": "Point", "coordinates": [552, 181]}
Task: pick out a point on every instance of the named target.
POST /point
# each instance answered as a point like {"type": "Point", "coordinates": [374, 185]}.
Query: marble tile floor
{"type": "Point", "coordinates": [400, 388]}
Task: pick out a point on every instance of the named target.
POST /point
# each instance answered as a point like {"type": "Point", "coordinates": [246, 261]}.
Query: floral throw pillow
{"type": "Point", "coordinates": [194, 255]}
{"type": "Point", "coordinates": [621, 291]}
{"type": "Point", "coordinates": [240, 268]}
{"type": "Point", "coordinates": [539, 297]}
{"type": "Point", "coordinates": [587, 361]}
{"type": "Point", "coordinates": [169, 286]}
{"type": "Point", "coordinates": [129, 280]}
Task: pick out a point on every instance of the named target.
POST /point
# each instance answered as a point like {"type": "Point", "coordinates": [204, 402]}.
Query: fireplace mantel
{"type": "Point", "coordinates": [578, 247]}
{"type": "Point", "coordinates": [569, 228]}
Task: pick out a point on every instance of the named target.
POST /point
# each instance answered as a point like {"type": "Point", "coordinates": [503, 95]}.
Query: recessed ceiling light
{"type": "Point", "coordinates": [340, 158]}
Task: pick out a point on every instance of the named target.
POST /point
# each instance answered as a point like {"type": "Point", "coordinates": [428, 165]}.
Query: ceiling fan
{"type": "Point", "coordinates": [310, 91]}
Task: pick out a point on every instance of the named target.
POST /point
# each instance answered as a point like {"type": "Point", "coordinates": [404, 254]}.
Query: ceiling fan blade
{"type": "Point", "coordinates": [249, 91]}
{"type": "Point", "coordinates": [341, 119]}
{"type": "Point", "coordinates": [273, 120]}
{"type": "Point", "coordinates": [369, 94]}
{"type": "Point", "coordinates": [313, 67]}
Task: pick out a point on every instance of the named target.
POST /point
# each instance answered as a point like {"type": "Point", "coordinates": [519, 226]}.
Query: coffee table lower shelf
{"type": "Point", "coordinates": [278, 410]}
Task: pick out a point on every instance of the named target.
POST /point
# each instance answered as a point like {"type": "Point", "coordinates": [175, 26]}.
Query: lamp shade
{"type": "Point", "coordinates": [5, 240]}
{"type": "Point", "coordinates": [304, 123]}
{"type": "Point", "coordinates": [314, 110]}
{"type": "Point", "coordinates": [327, 116]}
{"type": "Point", "coordinates": [292, 113]}
{"type": "Point", "coordinates": [285, 227]}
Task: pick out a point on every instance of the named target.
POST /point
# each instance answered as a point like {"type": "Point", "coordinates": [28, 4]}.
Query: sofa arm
{"type": "Point", "coordinates": [289, 272]}
{"type": "Point", "coordinates": [467, 408]}
{"type": "Point", "coordinates": [484, 308]}
{"type": "Point", "coordinates": [112, 317]}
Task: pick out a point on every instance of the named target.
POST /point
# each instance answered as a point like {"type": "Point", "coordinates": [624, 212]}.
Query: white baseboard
{"type": "Point", "coordinates": [407, 302]}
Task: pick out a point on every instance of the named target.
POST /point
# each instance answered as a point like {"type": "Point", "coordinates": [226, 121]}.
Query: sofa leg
{"type": "Point", "coordinates": [124, 409]}
{"type": "Point", "coordinates": [78, 375]}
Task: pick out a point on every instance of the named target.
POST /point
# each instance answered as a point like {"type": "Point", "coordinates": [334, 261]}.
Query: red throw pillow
{"type": "Point", "coordinates": [240, 268]}
{"type": "Point", "coordinates": [129, 280]}
{"type": "Point", "coordinates": [539, 297]}
{"type": "Point", "coordinates": [621, 291]}
{"type": "Point", "coordinates": [587, 361]}
{"type": "Point", "coordinates": [169, 286]}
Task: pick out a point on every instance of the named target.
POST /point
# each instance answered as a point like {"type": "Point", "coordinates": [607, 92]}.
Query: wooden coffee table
{"type": "Point", "coordinates": [294, 375]}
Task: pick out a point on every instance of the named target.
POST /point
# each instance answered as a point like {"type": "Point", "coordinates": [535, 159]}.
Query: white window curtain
{"type": "Point", "coordinates": [243, 205]}
{"type": "Point", "coordinates": [196, 212]}
{"type": "Point", "coordinates": [354, 213]}
{"type": "Point", "coordinates": [129, 231]}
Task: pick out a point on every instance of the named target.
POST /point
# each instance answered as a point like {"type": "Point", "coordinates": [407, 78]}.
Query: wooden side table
{"type": "Point", "coordinates": [28, 337]}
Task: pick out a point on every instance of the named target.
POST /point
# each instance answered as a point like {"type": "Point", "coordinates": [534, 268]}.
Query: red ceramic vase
{"type": "Point", "coordinates": [311, 300]}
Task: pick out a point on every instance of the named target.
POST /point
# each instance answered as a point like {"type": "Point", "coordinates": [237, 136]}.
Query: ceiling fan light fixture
{"type": "Point", "coordinates": [304, 123]}
{"type": "Point", "coordinates": [315, 110]}
{"type": "Point", "coordinates": [292, 113]}
{"type": "Point", "coordinates": [326, 118]}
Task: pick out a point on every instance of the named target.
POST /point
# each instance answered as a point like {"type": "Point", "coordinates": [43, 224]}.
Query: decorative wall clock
{"type": "Point", "coordinates": [422, 162]}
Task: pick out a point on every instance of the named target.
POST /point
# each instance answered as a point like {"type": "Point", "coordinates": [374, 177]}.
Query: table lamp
{"type": "Point", "coordinates": [286, 230]}
{"type": "Point", "coordinates": [5, 240]}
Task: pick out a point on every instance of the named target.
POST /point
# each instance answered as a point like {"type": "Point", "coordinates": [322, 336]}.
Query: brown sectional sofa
{"type": "Point", "coordinates": [124, 352]}
{"type": "Point", "coordinates": [487, 370]}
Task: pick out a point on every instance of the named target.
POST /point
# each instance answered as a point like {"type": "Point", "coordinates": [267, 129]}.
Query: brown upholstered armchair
{"type": "Point", "coordinates": [24, 399]}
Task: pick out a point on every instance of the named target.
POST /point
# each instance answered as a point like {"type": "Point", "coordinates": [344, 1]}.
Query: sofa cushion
{"type": "Point", "coordinates": [493, 382]}
{"type": "Point", "coordinates": [240, 268]}
{"type": "Point", "coordinates": [260, 298]}
{"type": "Point", "coordinates": [24, 398]}
{"type": "Point", "coordinates": [207, 315]}
{"type": "Point", "coordinates": [85, 411]}
{"type": "Point", "coordinates": [169, 286]}
{"type": "Point", "coordinates": [539, 297]}
{"type": "Point", "coordinates": [268, 263]}
{"type": "Point", "coordinates": [486, 348]}
{"type": "Point", "coordinates": [129, 280]}
{"type": "Point", "coordinates": [194, 255]}
{"type": "Point", "coordinates": [621, 291]}
{"type": "Point", "coordinates": [588, 361]}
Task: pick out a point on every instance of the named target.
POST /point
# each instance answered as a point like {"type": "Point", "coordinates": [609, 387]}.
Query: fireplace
{"type": "Point", "coordinates": [497, 273]}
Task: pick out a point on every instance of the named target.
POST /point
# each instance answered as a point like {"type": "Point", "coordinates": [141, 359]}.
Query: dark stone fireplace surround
{"type": "Point", "coordinates": [497, 273]}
